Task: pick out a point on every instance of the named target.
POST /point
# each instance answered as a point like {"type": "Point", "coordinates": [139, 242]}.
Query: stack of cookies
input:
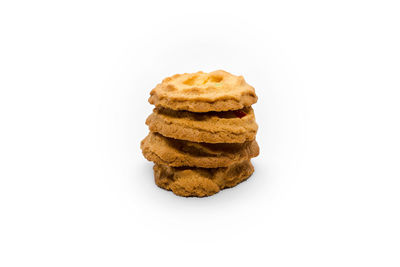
{"type": "Point", "coordinates": [202, 132]}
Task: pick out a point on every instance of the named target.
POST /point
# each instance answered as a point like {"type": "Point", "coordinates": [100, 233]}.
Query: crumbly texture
{"type": "Point", "coordinates": [211, 127]}
{"type": "Point", "coordinates": [203, 92]}
{"type": "Point", "coordinates": [200, 182]}
{"type": "Point", "coordinates": [176, 153]}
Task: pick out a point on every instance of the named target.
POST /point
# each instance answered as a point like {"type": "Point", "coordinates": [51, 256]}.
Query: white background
{"type": "Point", "coordinates": [75, 77]}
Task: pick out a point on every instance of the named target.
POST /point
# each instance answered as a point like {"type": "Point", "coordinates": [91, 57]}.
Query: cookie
{"type": "Point", "coordinates": [212, 127]}
{"type": "Point", "coordinates": [200, 182]}
{"type": "Point", "coordinates": [203, 92]}
{"type": "Point", "coordinates": [176, 153]}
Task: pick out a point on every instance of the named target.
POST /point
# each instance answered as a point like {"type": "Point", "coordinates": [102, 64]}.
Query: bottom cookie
{"type": "Point", "coordinates": [201, 182]}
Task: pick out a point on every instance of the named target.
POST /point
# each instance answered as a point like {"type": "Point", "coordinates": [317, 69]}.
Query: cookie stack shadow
{"type": "Point", "coordinates": [202, 132]}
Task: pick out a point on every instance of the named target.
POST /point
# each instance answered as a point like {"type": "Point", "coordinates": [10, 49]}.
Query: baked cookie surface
{"type": "Point", "coordinates": [176, 153]}
{"type": "Point", "coordinates": [203, 92]}
{"type": "Point", "coordinates": [212, 127]}
{"type": "Point", "coordinates": [200, 182]}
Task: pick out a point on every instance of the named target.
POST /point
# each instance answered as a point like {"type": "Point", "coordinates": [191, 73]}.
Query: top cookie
{"type": "Point", "coordinates": [203, 92]}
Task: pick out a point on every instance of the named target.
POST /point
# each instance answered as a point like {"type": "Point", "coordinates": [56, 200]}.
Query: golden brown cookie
{"type": "Point", "coordinates": [200, 182]}
{"type": "Point", "coordinates": [176, 153]}
{"type": "Point", "coordinates": [203, 92]}
{"type": "Point", "coordinates": [212, 127]}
